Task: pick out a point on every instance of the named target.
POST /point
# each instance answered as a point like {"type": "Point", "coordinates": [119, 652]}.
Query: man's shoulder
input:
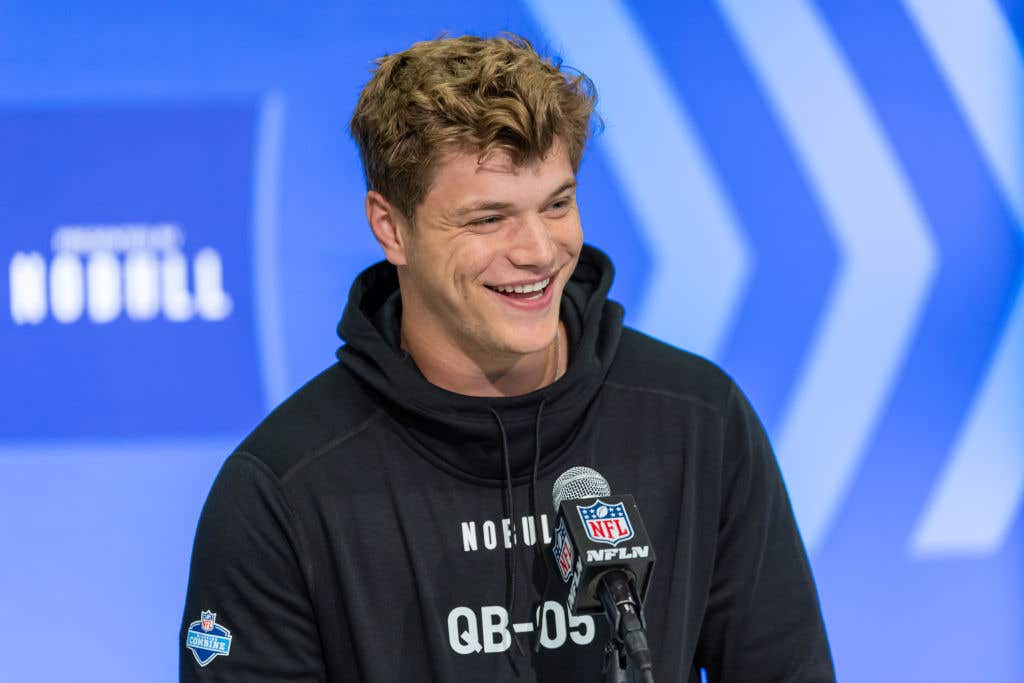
{"type": "Point", "coordinates": [643, 363]}
{"type": "Point", "coordinates": [320, 415]}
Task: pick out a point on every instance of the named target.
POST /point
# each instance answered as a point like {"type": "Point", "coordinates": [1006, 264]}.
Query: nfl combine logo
{"type": "Point", "coordinates": [207, 639]}
{"type": "Point", "coordinates": [606, 523]}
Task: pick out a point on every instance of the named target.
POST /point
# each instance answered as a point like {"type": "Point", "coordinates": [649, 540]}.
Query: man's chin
{"type": "Point", "coordinates": [526, 344]}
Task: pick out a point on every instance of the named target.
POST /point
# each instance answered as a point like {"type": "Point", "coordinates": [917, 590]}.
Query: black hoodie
{"type": "Point", "coordinates": [378, 528]}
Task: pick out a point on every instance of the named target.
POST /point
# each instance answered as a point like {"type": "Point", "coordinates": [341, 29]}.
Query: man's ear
{"type": "Point", "coordinates": [388, 226]}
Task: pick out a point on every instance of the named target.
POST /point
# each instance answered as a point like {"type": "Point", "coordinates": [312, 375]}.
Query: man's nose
{"type": "Point", "coordinates": [532, 243]}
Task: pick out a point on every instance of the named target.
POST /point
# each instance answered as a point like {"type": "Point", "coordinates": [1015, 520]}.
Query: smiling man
{"type": "Point", "coordinates": [482, 274]}
{"type": "Point", "coordinates": [386, 523]}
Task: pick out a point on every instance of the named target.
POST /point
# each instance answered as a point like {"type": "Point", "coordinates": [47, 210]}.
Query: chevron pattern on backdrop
{"type": "Point", "coordinates": [825, 197]}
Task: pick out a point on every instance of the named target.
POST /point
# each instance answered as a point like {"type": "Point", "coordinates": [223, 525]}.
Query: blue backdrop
{"type": "Point", "coordinates": [826, 198]}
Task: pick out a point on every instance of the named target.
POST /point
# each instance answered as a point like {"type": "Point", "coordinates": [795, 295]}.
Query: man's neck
{"type": "Point", "coordinates": [460, 372]}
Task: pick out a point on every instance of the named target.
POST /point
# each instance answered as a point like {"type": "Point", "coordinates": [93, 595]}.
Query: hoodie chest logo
{"type": "Point", "coordinates": [491, 534]}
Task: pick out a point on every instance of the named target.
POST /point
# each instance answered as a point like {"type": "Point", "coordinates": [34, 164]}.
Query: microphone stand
{"type": "Point", "coordinates": [628, 639]}
{"type": "Point", "coordinates": [615, 661]}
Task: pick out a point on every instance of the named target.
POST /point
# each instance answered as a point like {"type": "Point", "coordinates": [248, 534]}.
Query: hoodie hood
{"type": "Point", "coordinates": [460, 432]}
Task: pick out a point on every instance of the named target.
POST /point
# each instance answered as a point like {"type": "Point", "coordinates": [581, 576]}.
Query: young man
{"type": "Point", "coordinates": [384, 524]}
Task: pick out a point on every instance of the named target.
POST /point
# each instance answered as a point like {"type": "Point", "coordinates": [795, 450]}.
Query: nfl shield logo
{"type": "Point", "coordinates": [606, 523]}
{"type": "Point", "coordinates": [562, 550]}
{"type": "Point", "coordinates": [207, 618]}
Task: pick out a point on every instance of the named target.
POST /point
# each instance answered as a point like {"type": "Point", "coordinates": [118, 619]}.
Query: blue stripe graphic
{"type": "Point", "coordinates": [266, 281]}
{"type": "Point", "coordinates": [967, 311]}
{"type": "Point", "coordinates": [980, 265]}
{"type": "Point", "coordinates": [796, 258]}
{"type": "Point", "coordinates": [980, 492]}
{"type": "Point", "coordinates": [1013, 12]}
{"type": "Point", "coordinates": [888, 256]}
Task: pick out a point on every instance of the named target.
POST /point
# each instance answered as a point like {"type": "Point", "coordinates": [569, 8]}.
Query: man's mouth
{"type": "Point", "coordinates": [533, 290]}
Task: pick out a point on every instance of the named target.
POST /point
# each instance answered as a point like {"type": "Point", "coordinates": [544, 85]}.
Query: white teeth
{"type": "Point", "coordinates": [526, 289]}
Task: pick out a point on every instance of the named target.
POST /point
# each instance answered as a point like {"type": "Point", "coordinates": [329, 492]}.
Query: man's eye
{"type": "Point", "coordinates": [489, 220]}
{"type": "Point", "coordinates": [561, 204]}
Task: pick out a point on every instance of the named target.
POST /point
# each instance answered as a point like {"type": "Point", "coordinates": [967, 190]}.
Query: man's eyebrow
{"type": "Point", "coordinates": [481, 206]}
{"type": "Point", "coordinates": [501, 206]}
{"type": "Point", "coordinates": [567, 185]}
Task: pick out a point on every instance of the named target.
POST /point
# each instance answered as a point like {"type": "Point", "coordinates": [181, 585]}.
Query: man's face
{"type": "Point", "coordinates": [482, 231]}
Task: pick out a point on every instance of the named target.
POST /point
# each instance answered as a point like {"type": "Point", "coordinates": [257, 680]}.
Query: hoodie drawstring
{"type": "Point", "coordinates": [510, 564]}
{"type": "Point", "coordinates": [539, 618]}
{"type": "Point", "coordinates": [510, 572]}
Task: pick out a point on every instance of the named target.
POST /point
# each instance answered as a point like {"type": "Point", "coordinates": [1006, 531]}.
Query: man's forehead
{"type": "Point", "coordinates": [465, 181]}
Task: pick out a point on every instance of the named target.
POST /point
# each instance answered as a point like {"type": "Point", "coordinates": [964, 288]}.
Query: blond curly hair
{"type": "Point", "coordinates": [465, 94]}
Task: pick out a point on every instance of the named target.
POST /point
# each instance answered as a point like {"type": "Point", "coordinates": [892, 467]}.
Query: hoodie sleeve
{"type": "Point", "coordinates": [248, 614]}
{"type": "Point", "coordinates": [763, 622]}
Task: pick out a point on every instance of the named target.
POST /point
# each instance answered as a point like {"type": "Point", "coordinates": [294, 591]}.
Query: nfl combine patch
{"type": "Point", "coordinates": [207, 639]}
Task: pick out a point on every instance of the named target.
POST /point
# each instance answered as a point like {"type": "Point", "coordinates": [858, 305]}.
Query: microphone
{"type": "Point", "coordinates": [602, 551]}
